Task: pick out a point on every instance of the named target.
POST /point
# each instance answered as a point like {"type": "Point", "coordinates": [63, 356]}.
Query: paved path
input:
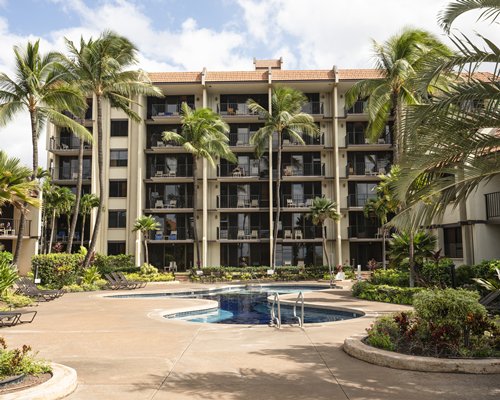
{"type": "Point", "coordinates": [122, 350]}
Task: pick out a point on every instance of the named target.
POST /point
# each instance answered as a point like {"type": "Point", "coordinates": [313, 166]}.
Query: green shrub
{"type": "Point", "coordinates": [13, 300]}
{"type": "Point", "coordinates": [6, 256]}
{"type": "Point", "coordinates": [391, 277]}
{"type": "Point", "coordinates": [20, 361]}
{"type": "Point", "coordinates": [8, 275]}
{"type": "Point", "coordinates": [148, 269]}
{"type": "Point", "coordinates": [384, 293]}
{"type": "Point", "coordinates": [381, 334]}
{"type": "Point", "coordinates": [108, 264]}
{"type": "Point", "coordinates": [90, 275]}
{"type": "Point", "coordinates": [57, 269]}
{"type": "Point", "coordinates": [159, 277]}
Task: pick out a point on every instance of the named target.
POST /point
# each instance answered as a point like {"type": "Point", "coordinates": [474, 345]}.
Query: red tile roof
{"type": "Point", "coordinates": [260, 64]}
{"type": "Point", "coordinates": [175, 77]}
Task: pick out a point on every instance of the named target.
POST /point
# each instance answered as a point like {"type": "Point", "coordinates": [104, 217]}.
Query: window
{"type": "Point", "coordinates": [118, 158]}
{"type": "Point", "coordinates": [117, 219]}
{"type": "Point", "coordinates": [453, 242]}
{"type": "Point", "coordinates": [117, 188]}
{"type": "Point", "coordinates": [116, 248]}
{"type": "Point", "coordinates": [119, 128]}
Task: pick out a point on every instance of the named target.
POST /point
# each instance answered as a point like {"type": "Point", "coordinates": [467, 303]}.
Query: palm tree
{"type": "Point", "coordinates": [87, 203]}
{"type": "Point", "coordinates": [205, 136]}
{"type": "Point", "coordinates": [145, 224]}
{"type": "Point", "coordinates": [424, 247]}
{"type": "Point", "coordinates": [286, 118]}
{"type": "Point", "coordinates": [57, 201]}
{"type": "Point", "coordinates": [102, 68]}
{"type": "Point", "coordinates": [321, 210]}
{"type": "Point", "coordinates": [16, 186]}
{"type": "Point", "coordinates": [40, 87]}
{"type": "Point", "coordinates": [399, 60]}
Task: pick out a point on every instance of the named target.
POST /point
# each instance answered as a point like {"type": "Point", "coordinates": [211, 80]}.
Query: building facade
{"type": "Point", "coordinates": [234, 211]}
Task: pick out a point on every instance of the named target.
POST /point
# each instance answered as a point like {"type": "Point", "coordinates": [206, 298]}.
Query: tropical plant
{"type": "Point", "coordinates": [205, 136]}
{"type": "Point", "coordinates": [40, 87]}
{"type": "Point", "coordinates": [399, 61]}
{"type": "Point", "coordinates": [8, 276]}
{"type": "Point", "coordinates": [101, 68]}
{"type": "Point", "coordinates": [145, 224]}
{"type": "Point", "coordinates": [88, 202]}
{"type": "Point", "coordinates": [321, 210]}
{"type": "Point", "coordinates": [286, 118]}
{"type": "Point", "coordinates": [57, 201]}
{"type": "Point", "coordinates": [453, 140]}
{"type": "Point", "coordinates": [15, 185]}
{"type": "Point", "coordinates": [399, 248]}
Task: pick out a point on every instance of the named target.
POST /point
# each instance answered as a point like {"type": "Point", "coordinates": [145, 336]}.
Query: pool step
{"type": "Point", "coordinates": [182, 276]}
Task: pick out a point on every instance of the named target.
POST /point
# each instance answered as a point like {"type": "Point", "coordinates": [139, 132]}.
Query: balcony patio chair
{"type": "Point", "coordinates": [240, 234]}
{"type": "Point", "coordinates": [237, 172]}
{"type": "Point", "coordinates": [290, 203]}
{"type": "Point", "coordinates": [254, 203]}
{"type": "Point", "coordinates": [172, 174]}
{"type": "Point", "coordinates": [11, 318]}
{"type": "Point", "coordinates": [287, 234]}
{"type": "Point", "coordinates": [254, 234]}
{"type": "Point", "coordinates": [287, 264]}
{"type": "Point", "coordinates": [288, 171]}
{"type": "Point", "coordinates": [64, 146]}
{"type": "Point", "coordinates": [301, 263]}
{"type": "Point", "coordinates": [298, 234]}
{"type": "Point", "coordinates": [160, 143]}
{"type": "Point", "coordinates": [158, 174]}
{"type": "Point", "coordinates": [286, 142]}
{"type": "Point", "coordinates": [173, 235]}
{"type": "Point", "coordinates": [159, 204]}
{"type": "Point", "coordinates": [240, 203]}
{"type": "Point", "coordinates": [172, 204]}
{"type": "Point", "coordinates": [74, 175]}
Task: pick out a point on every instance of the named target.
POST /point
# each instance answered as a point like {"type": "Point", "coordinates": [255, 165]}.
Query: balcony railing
{"type": "Point", "coordinates": [172, 234]}
{"type": "Point", "coordinates": [156, 140]}
{"type": "Point", "coordinates": [240, 138]}
{"type": "Point", "coordinates": [359, 200]}
{"type": "Point", "coordinates": [66, 143]}
{"type": "Point", "coordinates": [492, 205]}
{"type": "Point", "coordinates": [308, 140]}
{"type": "Point", "coordinates": [10, 227]}
{"type": "Point", "coordinates": [242, 201]}
{"type": "Point", "coordinates": [313, 107]}
{"type": "Point", "coordinates": [171, 202]}
{"type": "Point", "coordinates": [358, 138]}
{"type": "Point", "coordinates": [238, 233]}
{"type": "Point", "coordinates": [297, 201]}
{"type": "Point", "coordinates": [305, 169]}
{"type": "Point", "coordinates": [234, 109]}
{"type": "Point", "coordinates": [363, 231]}
{"type": "Point", "coordinates": [240, 170]}
{"type": "Point", "coordinates": [300, 233]}
{"type": "Point", "coordinates": [362, 168]}
{"type": "Point", "coordinates": [71, 174]}
{"type": "Point", "coordinates": [167, 171]}
{"type": "Point", "coordinates": [167, 110]}
{"type": "Point", "coordinates": [358, 108]}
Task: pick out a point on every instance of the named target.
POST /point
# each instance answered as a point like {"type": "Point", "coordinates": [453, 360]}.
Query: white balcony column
{"type": "Point", "coordinates": [338, 241]}
{"type": "Point", "coordinates": [204, 251]}
{"type": "Point", "coordinates": [271, 202]}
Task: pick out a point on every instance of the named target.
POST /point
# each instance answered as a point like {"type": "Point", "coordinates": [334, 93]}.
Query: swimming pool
{"type": "Point", "coordinates": [248, 305]}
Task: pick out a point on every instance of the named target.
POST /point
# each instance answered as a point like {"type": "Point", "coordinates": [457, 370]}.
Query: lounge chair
{"type": "Point", "coordinates": [11, 318]}
{"type": "Point", "coordinates": [28, 288]}
{"type": "Point", "coordinates": [113, 284]}
{"type": "Point", "coordinates": [120, 277]}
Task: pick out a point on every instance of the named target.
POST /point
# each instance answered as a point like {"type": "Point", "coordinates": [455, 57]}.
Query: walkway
{"type": "Point", "coordinates": [122, 350]}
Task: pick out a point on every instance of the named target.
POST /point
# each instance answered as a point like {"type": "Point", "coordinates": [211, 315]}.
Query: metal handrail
{"type": "Point", "coordinates": [300, 297]}
{"type": "Point", "coordinates": [276, 320]}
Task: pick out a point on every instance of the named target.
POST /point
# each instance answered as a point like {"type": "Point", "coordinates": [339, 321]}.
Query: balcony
{"type": "Point", "coordinates": [313, 108]}
{"type": "Point", "coordinates": [308, 141]}
{"type": "Point", "coordinates": [171, 235]}
{"type": "Point", "coordinates": [493, 206]}
{"type": "Point", "coordinates": [9, 228]}
{"type": "Point", "coordinates": [359, 139]}
{"type": "Point", "coordinates": [234, 109]}
{"type": "Point", "coordinates": [242, 170]}
{"type": "Point", "coordinates": [240, 138]}
{"type": "Point", "coordinates": [162, 110]}
{"type": "Point", "coordinates": [170, 171]}
{"type": "Point", "coordinates": [363, 169]}
{"type": "Point", "coordinates": [358, 108]}
{"type": "Point", "coordinates": [242, 201]}
{"type": "Point", "coordinates": [170, 202]}
{"type": "Point", "coordinates": [359, 200]}
{"type": "Point", "coordinates": [298, 201]}
{"type": "Point", "coordinates": [239, 233]}
{"type": "Point", "coordinates": [156, 140]}
{"type": "Point", "coordinates": [66, 144]}
{"type": "Point", "coordinates": [305, 169]}
{"type": "Point", "coordinates": [71, 173]}
{"type": "Point", "coordinates": [363, 231]}
{"type": "Point", "coordinates": [307, 232]}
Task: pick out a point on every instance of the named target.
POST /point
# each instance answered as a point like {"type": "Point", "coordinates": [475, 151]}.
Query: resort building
{"type": "Point", "coordinates": [234, 212]}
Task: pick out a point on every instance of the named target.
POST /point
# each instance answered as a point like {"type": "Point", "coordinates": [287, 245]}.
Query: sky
{"type": "Point", "coordinates": [187, 35]}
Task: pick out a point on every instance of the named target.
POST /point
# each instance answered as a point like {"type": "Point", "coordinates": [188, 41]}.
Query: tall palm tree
{"type": "Point", "coordinates": [57, 201]}
{"type": "Point", "coordinates": [16, 187]}
{"type": "Point", "coordinates": [399, 60]}
{"type": "Point", "coordinates": [321, 210]}
{"type": "Point", "coordinates": [286, 118]}
{"type": "Point", "coordinates": [205, 136]}
{"type": "Point", "coordinates": [145, 224]}
{"type": "Point", "coordinates": [453, 139]}
{"type": "Point", "coordinates": [40, 87]}
{"type": "Point", "coordinates": [88, 202]}
{"type": "Point", "coordinates": [101, 68]}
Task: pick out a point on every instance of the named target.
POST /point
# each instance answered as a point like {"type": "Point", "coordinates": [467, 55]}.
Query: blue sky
{"type": "Point", "coordinates": [217, 34]}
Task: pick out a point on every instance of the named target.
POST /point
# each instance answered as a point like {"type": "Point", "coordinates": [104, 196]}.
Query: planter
{"type": "Point", "coordinates": [12, 379]}
{"type": "Point", "coordinates": [356, 348]}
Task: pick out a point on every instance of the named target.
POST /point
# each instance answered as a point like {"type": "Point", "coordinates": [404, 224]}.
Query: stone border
{"type": "Point", "coordinates": [356, 348]}
{"type": "Point", "coordinates": [62, 383]}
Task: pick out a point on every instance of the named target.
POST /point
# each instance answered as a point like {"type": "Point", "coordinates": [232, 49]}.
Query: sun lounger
{"type": "Point", "coordinates": [11, 318]}
{"type": "Point", "coordinates": [113, 284]}
{"type": "Point", "coordinates": [128, 284]}
{"type": "Point", "coordinates": [28, 288]}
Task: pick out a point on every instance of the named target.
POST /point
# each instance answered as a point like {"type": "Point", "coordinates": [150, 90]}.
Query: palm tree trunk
{"type": "Point", "coordinates": [398, 134]}
{"type": "Point", "coordinates": [100, 167]}
{"type": "Point", "coordinates": [278, 197]}
{"type": "Point", "coordinates": [146, 251]}
{"type": "Point", "coordinates": [326, 254]}
{"type": "Point", "coordinates": [195, 225]}
{"type": "Point", "coordinates": [22, 219]}
{"type": "Point", "coordinates": [411, 258]}
{"type": "Point", "coordinates": [52, 229]}
{"type": "Point", "coordinates": [83, 228]}
{"type": "Point", "coordinates": [76, 208]}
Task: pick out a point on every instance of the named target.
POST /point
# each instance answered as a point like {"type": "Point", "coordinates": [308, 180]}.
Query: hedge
{"type": "Point", "coordinates": [384, 293]}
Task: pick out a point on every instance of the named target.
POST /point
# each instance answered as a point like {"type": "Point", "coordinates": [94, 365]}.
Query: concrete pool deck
{"type": "Point", "coordinates": [122, 350]}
